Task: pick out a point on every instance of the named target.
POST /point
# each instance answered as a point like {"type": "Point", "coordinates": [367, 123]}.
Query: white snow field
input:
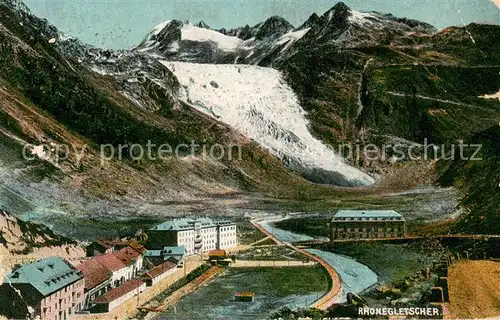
{"type": "Point", "coordinates": [192, 33]}
{"type": "Point", "coordinates": [258, 103]}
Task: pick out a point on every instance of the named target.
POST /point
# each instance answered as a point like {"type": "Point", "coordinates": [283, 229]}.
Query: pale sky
{"type": "Point", "coordinates": [120, 24]}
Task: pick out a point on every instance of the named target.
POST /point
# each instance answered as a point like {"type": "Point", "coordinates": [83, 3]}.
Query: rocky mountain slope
{"type": "Point", "coordinates": [51, 100]}
{"type": "Point", "coordinates": [18, 236]}
{"type": "Point", "coordinates": [479, 181]}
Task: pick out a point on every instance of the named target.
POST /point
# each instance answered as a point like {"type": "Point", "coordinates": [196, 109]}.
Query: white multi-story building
{"type": "Point", "coordinates": [196, 235]}
{"type": "Point", "coordinates": [226, 235]}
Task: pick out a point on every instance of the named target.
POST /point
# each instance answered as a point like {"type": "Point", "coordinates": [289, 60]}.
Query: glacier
{"type": "Point", "coordinates": [257, 102]}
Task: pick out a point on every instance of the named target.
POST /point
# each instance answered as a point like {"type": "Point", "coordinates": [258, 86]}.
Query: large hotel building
{"type": "Point", "coordinates": [47, 289]}
{"type": "Point", "coordinates": [196, 235]}
{"type": "Point", "coordinates": [367, 224]}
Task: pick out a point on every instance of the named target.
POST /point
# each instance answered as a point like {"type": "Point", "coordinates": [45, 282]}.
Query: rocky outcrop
{"type": "Point", "coordinates": [23, 242]}
{"type": "Point", "coordinates": [18, 236]}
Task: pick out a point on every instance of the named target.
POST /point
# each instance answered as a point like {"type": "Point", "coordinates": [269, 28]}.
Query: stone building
{"type": "Point", "coordinates": [48, 289]}
{"type": "Point", "coordinates": [367, 224]}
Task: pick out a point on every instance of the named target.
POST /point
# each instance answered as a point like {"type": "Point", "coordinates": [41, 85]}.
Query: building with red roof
{"type": "Point", "coordinates": [106, 246]}
{"type": "Point", "coordinates": [118, 296]}
{"type": "Point", "coordinates": [130, 256]}
{"type": "Point", "coordinates": [159, 273]}
{"type": "Point", "coordinates": [121, 269]}
{"type": "Point", "coordinates": [97, 280]}
{"type": "Point", "coordinates": [137, 246]}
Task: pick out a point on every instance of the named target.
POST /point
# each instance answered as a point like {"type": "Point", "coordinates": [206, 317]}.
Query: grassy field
{"type": "Point", "coordinates": [247, 233]}
{"type": "Point", "coordinates": [282, 282]}
{"type": "Point", "coordinates": [314, 226]}
{"type": "Point", "coordinates": [274, 288]}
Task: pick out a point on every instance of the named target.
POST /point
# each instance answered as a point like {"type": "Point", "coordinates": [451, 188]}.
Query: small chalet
{"type": "Point", "coordinates": [103, 246]}
{"type": "Point", "coordinates": [244, 296]}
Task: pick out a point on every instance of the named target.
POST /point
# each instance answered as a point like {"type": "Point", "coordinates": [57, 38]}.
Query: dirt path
{"type": "Point", "coordinates": [474, 289]}
{"type": "Point", "coordinates": [398, 94]}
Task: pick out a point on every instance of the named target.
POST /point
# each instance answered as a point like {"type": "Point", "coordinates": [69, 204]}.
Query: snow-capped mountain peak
{"type": "Point", "coordinates": [274, 26]}
{"type": "Point", "coordinates": [203, 25]}
{"type": "Point", "coordinates": [160, 27]}
{"type": "Point", "coordinates": [198, 34]}
{"type": "Point", "coordinates": [182, 41]}
{"type": "Point", "coordinates": [342, 25]}
{"type": "Point", "coordinates": [179, 40]}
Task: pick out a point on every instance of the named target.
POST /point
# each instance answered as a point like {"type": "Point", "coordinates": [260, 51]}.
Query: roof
{"type": "Point", "coordinates": [127, 255]}
{"type": "Point", "coordinates": [217, 253]}
{"type": "Point", "coordinates": [46, 276]}
{"type": "Point", "coordinates": [118, 292]}
{"type": "Point", "coordinates": [137, 246]}
{"type": "Point", "coordinates": [245, 294]}
{"type": "Point", "coordinates": [153, 253]}
{"type": "Point", "coordinates": [111, 262]}
{"type": "Point", "coordinates": [94, 273]}
{"type": "Point", "coordinates": [368, 214]}
{"type": "Point", "coordinates": [176, 224]}
{"type": "Point", "coordinates": [224, 223]}
{"type": "Point", "coordinates": [107, 244]}
{"type": "Point", "coordinates": [161, 269]}
{"type": "Point", "coordinates": [177, 250]}
{"type": "Point", "coordinates": [189, 224]}
{"type": "Point", "coordinates": [166, 251]}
